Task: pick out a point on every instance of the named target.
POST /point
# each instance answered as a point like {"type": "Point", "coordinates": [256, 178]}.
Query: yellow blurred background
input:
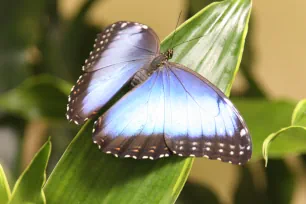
{"type": "Point", "coordinates": [278, 41]}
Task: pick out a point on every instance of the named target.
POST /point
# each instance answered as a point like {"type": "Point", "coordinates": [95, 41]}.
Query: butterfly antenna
{"type": "Point", "coordinates": [178, 20]}
{"type": "Point", "coordinates": [189, 40]}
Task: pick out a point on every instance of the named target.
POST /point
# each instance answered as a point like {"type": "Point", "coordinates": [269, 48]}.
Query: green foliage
{"type": "Point", "coordinates": [293, 137]}
{"type": "Point", "coordinates": [5, 192]}
{"type": "Point", "coordinates": [38, 97]}
{"type": "Point", "coordinates": [28, 188]}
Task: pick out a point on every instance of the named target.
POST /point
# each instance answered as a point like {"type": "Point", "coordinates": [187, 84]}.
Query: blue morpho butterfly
{"type": "Point", "coordinates": [170, 109]}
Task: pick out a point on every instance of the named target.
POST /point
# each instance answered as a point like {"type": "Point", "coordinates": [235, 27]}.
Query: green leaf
{"type": "Point", "coordinates": [86, 175]}
{"type": "Point", "coordinates": [263, 118]}
{"type": "Point", "coordinates": [290, 139]}
{"type": "Point", "coordinates": [38, 97]}
{"type": "Point", "coordinates": [299, 114]}
{"type": "Point", "coordinates": [28, 188]}
{"type": "Point", "coordinates": [287, 140]}
{"type": "Point", "coordinates": [5, 192]}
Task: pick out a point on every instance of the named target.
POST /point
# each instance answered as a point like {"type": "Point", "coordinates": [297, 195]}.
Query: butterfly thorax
{"type": "Point", "coordinates": [144, 73]}
{"type": "Point", "coordinates": [162, 58]}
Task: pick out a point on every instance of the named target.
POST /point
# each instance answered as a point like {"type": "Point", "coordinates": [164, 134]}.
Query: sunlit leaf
{"type": "Point", "coordinates": [5, 192]}
{"type": "Point", "coordinates": [299, 114]}
{"type": "Point", "coordinates": [290, 139]}
{"type": "Point", "coordinates": [28, 188]}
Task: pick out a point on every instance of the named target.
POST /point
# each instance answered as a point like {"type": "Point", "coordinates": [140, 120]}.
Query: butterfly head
{"type": "Point", "coordinates": [169, 54]}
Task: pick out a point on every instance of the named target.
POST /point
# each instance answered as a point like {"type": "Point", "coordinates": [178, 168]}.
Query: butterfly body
{"type": "Point", "coordinates": [169, 110]}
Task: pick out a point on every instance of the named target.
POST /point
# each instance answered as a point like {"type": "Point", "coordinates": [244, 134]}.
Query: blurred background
{"type": "Point", "coordinates": [43, 39]}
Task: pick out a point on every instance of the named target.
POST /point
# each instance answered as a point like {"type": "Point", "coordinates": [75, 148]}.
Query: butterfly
{"type": "Point", "coordinates": [169, 109]}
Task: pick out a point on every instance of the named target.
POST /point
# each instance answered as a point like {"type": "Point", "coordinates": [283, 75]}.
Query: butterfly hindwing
{"type": "Point", "coordinates": [199, 119]}
{"type": "Point", "coordinates": [134, 126]}
{"type": "Point", "coordinates": [119, 52]}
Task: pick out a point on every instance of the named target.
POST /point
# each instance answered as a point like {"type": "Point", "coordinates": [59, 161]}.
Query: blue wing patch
{"type": "Point", "coordinates": [134, 126]}
{"type": "Point", "coordinates": [199, 119]}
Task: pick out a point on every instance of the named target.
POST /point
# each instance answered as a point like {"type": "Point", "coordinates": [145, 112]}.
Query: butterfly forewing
{"type": "Point", "coordinates": [119, 52]}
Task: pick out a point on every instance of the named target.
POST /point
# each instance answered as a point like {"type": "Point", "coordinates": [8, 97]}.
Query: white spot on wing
{"type": "Point", "coordinates": [242, 132]}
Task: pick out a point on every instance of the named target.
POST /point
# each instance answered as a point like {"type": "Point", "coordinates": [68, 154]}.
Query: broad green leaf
{"type": "Point", "coordinates": [38, 97]}
{"type": "Point", "coordinates": [263, 118]}
{"type": "Point", "coordinates": [299, 114]}
{"type": "Point", "coordinates": [5, 192]}
{"type": "Point", "coordinates": [86, 175]}
{"type": "Point", "coordinates": [28, 188]}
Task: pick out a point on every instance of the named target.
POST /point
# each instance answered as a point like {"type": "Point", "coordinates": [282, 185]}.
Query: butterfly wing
{"type": "Point", "coordinates": [174, 109]}
{"type": "Point", "coordinates": [119, 52]}
{"type": "Point", "coordinates": [200, 120]}
{"type": "Point", "coordinates": [134, 126]}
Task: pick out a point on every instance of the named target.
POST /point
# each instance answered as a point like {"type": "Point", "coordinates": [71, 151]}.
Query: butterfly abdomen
{"type": "Point", "coordinates": [140, 76]}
